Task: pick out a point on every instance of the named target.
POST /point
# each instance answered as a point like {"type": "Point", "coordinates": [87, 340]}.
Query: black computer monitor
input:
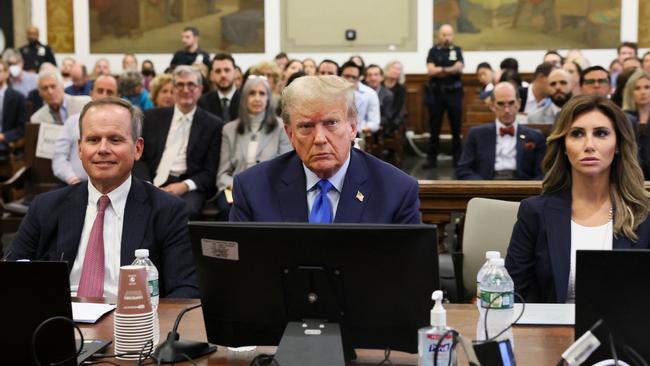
{"type": "Point", "coordinates": [612, 285]}
{"type": "Point", "coordinates": [376, 281]}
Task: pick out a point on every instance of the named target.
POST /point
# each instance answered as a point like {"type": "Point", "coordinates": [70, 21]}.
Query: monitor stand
{"type": "Point", "coordinates": [311, 342]}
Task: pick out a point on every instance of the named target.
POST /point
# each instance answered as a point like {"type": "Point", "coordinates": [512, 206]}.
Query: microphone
{"type": "Point", "coordinates": [174, 350]}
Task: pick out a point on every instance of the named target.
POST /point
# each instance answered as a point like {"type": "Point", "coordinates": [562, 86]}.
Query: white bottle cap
{"type": "Point", "coordinates": [438, 313]}
{"type": "Point", "coordinates": [141, 253]}
{"type": "Point", "coordinates": [492, 254]}
{"type": "Point", "coordinates": [499, 262]}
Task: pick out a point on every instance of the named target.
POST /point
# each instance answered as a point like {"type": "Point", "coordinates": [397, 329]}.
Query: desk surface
{"type": "Point", "coordinates": [533, 345]}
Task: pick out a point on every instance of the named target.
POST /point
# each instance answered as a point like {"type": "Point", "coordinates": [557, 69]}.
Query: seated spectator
{"type": "Point", "coordinates": [615, 68]}
{"type": "Point", "coordinates": [223, 101]}
{"type": "Point", "coordinates": [646, 61]}
{"type": "Point", "coordinates": [66, 67]}
{"type": "Point", "coordinates": [272, 73]}
{"type": "Point", "coordinates": [636, 104]}
{"type": "Point", "coordinates": [12, 113]}
{"type": "Point", "coordinates": [328, 67]}
{"type": "Point", "coordinates": [394, 81]}
{"type": "Point", "coordinates": [358, 60]}
{"type": "Point", "coordinates": [559, 90]}
{"type": "Point", "coordinates": [66, 164]}
{"type": "Point", "coordinates": [21, 80]}
{"type": "Point", "coordinates": [257, 135]}
{"type": "Point", "coordinates": [309, 66]}
{"type": "Point", "coordinates": [148, 72]}
{"type": "Point", "coordinates": [239, 77]}
{"type": "Point", "coordinates": [632, 63]}
{"type": "Point", "coordinates": [535, 96]}
{"type": "Point", "coordinates": [621, 80]}
{"type": "Point", "coordinates": [554, 58]}
{"type": "Point", "coordinates": [374, 78]}
{"type": "Point", "coordinates": [131, 88]}
{"type": "Point", "coordinates": [626, 50]}
{"type": "Point", "coordinates": [102, 67]}
{"type": "Point", "coordinates": [504, 149]}
{"type": "Point", "coordinates": [57, 106]}
{"type": "Point", "coordinates": [292, 67]}
{"type": "Point", "coordinates": [80, 83]}
{"type": "Point", "coordinates": [485, 77]}
{"type": "Point", "coordinates": [593, 198]}
{"type": "Point", "coordinates": [595, 80]}
{"type": "Point", "coordinates": [575, 71]}
{"type": "Point", "coordinates": [129, 62]}
{"type": "Point", "coordinates": [281, 60]}
{"type": "Point", "coordinates": [162, 91]}
{"type": "Point", "coordinates": [366, 99]}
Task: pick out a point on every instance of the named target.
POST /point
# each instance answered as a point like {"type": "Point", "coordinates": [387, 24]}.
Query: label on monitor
{"type": "Point", "coordinates": [228, 250]}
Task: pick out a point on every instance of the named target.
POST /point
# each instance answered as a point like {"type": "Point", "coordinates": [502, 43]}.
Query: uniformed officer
{"type": "Point", "coordinates": [34, 52]}
{"type": "Point", "coordinates": [444, 92]}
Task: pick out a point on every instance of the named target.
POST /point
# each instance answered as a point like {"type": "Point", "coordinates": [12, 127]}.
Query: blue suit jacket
{"type": "Point", "coordinates": [539, 253]}
{"type": "Point", "coordinates": [477, 159]}
{"type": "Point", "coordinates": [153, 220]}
{"type": "Point", "coordinates": [14, 115]}
{"type": "Point", "coordinates": [275, 191]}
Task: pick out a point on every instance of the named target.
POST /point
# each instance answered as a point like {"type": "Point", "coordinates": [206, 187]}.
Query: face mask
{"type": "Point", "coordinates": [14, 70]}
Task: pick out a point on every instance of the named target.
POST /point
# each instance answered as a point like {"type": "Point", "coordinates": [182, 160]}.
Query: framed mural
{"type": "Point", "coordinates": [155, 26]}
{"type": "Point", "coordinates": [644, 24]}
{"type": "Point", "coordinates": [531, 24]}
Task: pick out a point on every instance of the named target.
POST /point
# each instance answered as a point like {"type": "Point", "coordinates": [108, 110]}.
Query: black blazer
{"type": "Point", "coordinates": [210, 102]}
{"type": "Point", "coordinates": [539, 254]}
{"type": "Point", "coordinates": [203, 148]}
{"type": "Point", "coordinates": [14, 115]}
{"type": "Point", "coordinates": [153, 220]}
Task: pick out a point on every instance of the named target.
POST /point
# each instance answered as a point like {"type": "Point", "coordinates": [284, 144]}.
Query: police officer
{"type": "Point", "coordinates": [34, 52]}
{"type": "Point", "coordinates": [444, 92]}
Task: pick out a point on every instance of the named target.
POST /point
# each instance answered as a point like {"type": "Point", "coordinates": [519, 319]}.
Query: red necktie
{"type": "Point", "coordinates": [507, 131]}
{"type": "Point", "coordinates": [91, 283]}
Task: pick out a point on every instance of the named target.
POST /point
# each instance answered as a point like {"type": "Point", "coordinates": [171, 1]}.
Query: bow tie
{"type": "Point", "coordinates": [506, 131]}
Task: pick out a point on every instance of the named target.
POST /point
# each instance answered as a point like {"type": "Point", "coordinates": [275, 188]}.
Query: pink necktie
{"type": "Point", "coordinates": [91, 283]}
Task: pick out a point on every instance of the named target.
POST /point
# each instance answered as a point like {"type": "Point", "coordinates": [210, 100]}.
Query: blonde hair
{"type": "Point", "coordinates": [308, 90]}
{"type": "Point", "coordinates": [627, 192]}
{"type": "Point", "coordinates": [402, 77]}
{"type": "Point", "coordinates": [157, 84]}
{"type": "Point", "coordinates": [629, 104]}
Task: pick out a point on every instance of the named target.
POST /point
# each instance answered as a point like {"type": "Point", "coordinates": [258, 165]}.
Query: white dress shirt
{"type": "Point", "coordinates": [334, 194]}
{"type": "Point", "coordinates": [65, 161]}
{"type": "Point", "coordinates": [586, 238]}
{"type": "Point", "coordinates": [179, 166]}
{"type": "Point", "coordinates": [532, 104]}
{"type": "Point", "coordinates": [368, 111]}
{"type": "Point", "coordinates": [113, 224]}
{"type": "Point", "coordinates": [505, 157]}
{"type": "Point", "coordinates": [227, 95]}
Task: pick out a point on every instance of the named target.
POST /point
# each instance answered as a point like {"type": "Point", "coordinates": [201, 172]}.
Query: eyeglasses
{"type": "Point", "coordinates": [504, 105]}
{"type": "Point", "coordinates": [190, 86]}
{"type": "Point", "coordinates": [596, 81]}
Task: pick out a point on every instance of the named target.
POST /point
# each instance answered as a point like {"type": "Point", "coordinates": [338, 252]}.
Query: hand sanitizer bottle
{"type": "Point", "coordinates": [428, 338]}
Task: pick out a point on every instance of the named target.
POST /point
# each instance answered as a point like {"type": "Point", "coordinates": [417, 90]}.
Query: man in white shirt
{"type": "Point", "coordinates": [502, 150]}
{"type": "Point", "coordinates": [183, 144]}
{"type": "Point", "coordinates": [366, 99]}
{"type": "Point", "coordinates": [97, 226]}
{"type": "Point", "coordinates": [66, 164]}
{"type": "Point", "coordinates": [559, 86]}
{"type": "Point", "coordinates": [536, 95]}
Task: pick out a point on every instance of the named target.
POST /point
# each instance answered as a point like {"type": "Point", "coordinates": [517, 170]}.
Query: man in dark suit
{"type": "Point", "coordinates": [504, 149]}
{"type": "Point", "coordinates": [224, 101]}
{"type": "Point", "coordinates": [324, 180]}
{"type": "Point", "coordinates": [97, 226]}
{"type": "Point", "coordinates": [12, 112]}
{"type": "Point", "coordinates": [35, 53]}
{"type": "Point", "coordinates": [183, 144]}
{"type": "Point", "coordinates": [191, 53]}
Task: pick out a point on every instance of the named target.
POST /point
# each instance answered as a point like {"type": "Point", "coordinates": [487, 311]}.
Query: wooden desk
{"type": "Point", "coordinates": [532, 345]}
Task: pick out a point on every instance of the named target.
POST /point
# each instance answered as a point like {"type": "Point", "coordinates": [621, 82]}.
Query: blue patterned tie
{"type": "Point", "coordinates": [321, 211]}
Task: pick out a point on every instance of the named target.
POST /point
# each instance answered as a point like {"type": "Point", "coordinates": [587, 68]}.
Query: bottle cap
{"type": "Point", "coordinates": [438, 313]}
{"type": "Point", "coordinates": [499, 262]}
{"type": "Point", "coordinates": [492, 254]}
{"type": "Point", "coordinates": [141, 253]}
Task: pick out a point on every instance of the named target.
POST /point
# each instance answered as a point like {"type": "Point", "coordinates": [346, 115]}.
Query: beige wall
{"type": "Point", "coordinates": [381, 25]}
{"type": "Point", "coordinates": [22, 20]}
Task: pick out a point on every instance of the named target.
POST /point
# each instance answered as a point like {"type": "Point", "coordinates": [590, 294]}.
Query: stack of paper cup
{"type": "Point", "coordinates": [134, 316]}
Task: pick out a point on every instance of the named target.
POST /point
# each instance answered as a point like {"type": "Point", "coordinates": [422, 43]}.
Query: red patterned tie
{"type": "Point", "coordinates": [91, 283]}
{"type": "Point", "coordinates": [510, 130]}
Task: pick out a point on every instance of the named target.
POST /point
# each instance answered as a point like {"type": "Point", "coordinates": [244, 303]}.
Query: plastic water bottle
{"type": "Point", "coordinates": [497, 294]}
{"type": "Point", "coordinates": [428, 337]}
{"type": "Point", "coordinates": [481, 272]}
{"type": "Point", "coordinates": [142, 259]}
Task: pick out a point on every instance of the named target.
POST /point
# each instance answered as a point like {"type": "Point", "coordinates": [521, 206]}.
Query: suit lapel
{"type": "Point", "coordinates": [71, 224]}
{"type": "Point", "coordinates": [350, 206]}
{"type": "Point", "coordinates": [557, 216]}
{"type": "Point", "coordinates": [195, 132]}
{"type": "Point", "coordinates": [291, 189]}
{"type": "Point", "coordinates": [520, 148]}
{"type": "Point", "coordinates": [134, 227]}
{"type": "Point", "coordinates": [265, 138]}
{"type": "Point", "coordinates": [164, 124]}
{"type": "Point", "coordinates": [491, 144]}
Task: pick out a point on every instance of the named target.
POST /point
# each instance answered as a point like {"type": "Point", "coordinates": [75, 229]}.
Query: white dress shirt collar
{"type": "Point", "coordinates": [229, 94]}
{"type": "Point", "coordinates": [500, 125]}
{"type": "Point", "coordinates": [337, 179]}
{"type": "Point", "coordinates": [178, 114]}
{"type": "Point", "coordinates": [117, 196]}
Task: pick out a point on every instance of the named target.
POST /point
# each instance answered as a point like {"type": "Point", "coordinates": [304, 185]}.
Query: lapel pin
{"type": "Point", "coordinates": [359, 196]}
{"type": "Point", "coordinates": [522, 136]}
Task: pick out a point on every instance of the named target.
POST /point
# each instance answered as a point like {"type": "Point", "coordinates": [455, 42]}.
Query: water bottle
{"type": "Point", "coordinates": [481, 272]}
{"type": "Point", "coordinates": [142, 259]}
{"type": "Point", "coordinates": [497, 294]}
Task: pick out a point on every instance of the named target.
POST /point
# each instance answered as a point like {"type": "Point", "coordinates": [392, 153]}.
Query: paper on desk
{"type": "Point", "coordinates": [546, 314]}
{"type": "Point", "coordinates": [84, 312]}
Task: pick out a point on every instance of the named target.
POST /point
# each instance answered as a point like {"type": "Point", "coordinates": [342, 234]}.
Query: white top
{"type": "Point", "coordinates": [113, 223]}
{"type": "Point", "coordinates": [65, 161]}
{"type": "Point", "coordinates": [253, 143]}
{"type": "Point", "coordinates": [587, 238]}
{"type": "Point", "coordinates": [181, 125]}
{"type": "Point", "coordinates": [531, 103]}
{"type": "Point", "coordinates": [368, 109]}
{"type": "Point", "coordinates": [334, 194]}
{"type": "Point", "coordinates": [505, 157]}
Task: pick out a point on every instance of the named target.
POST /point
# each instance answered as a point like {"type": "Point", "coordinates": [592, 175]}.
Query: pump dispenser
{"type": "Point", "coordinates": [428, 337]}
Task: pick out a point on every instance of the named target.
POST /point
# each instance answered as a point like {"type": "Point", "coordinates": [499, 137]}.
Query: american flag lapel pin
{"type": "Point", "coordinates": [359, 196]}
